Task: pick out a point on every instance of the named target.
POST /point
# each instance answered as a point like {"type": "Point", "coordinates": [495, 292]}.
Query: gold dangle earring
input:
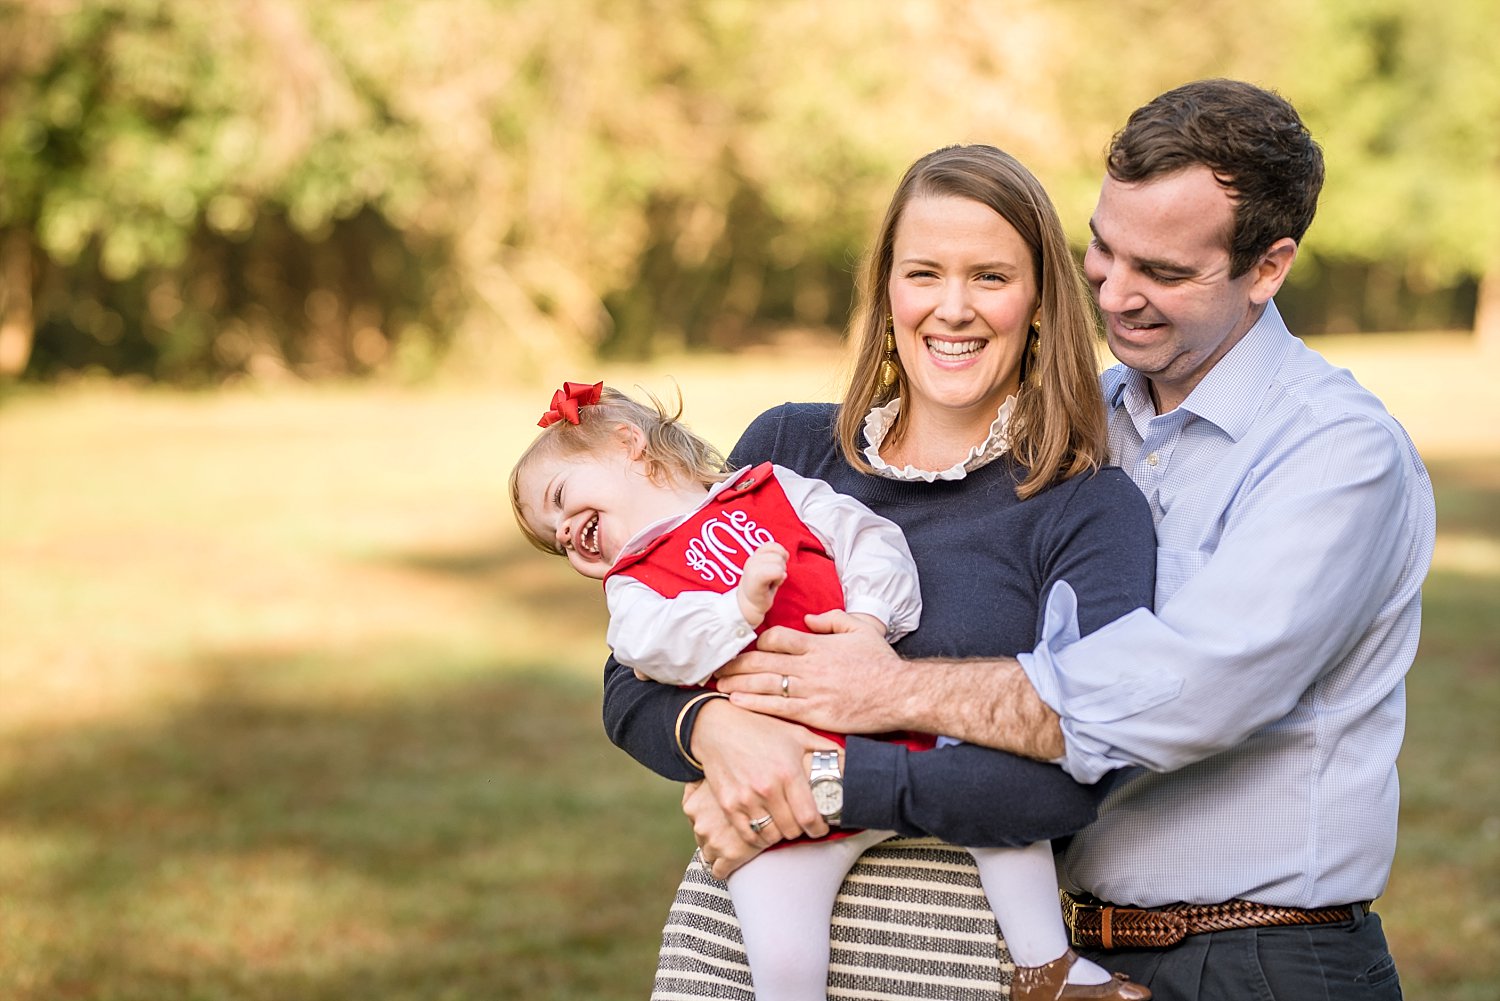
{"type": "Point", "coordinates": [1033, 351]}
{"type": "Point", "coordinates": [888, 371]}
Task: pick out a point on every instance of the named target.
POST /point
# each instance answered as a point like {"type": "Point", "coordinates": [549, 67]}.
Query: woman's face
{"type": "Point", "coordinates": [963, 295]}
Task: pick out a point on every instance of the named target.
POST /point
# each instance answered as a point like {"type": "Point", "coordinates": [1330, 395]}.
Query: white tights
{"type": "Point", "coordinates": [784, 902]}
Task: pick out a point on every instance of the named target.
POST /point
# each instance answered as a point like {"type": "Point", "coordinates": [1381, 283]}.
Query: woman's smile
{"type": "Point", "coordinates": [952, 350]}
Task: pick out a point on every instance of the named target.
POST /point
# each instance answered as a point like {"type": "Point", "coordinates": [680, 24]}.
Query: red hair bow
{"type": "Point", "coordinates": [566, 401]}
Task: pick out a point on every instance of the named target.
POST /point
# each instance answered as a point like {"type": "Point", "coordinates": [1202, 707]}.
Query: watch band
{"type": "Point", "coordinates": [825, 764]}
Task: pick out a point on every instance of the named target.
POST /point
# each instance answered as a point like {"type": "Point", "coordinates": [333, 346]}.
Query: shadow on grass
{"type": "Point", "coordinates": [1441, 921]}
{"type": "Point", "coordinates": [1468, 495]}
{"type": "Point", "coordinates": [465, 831]}
{"type": "Point", "coordinates": [481, 840]}
{"type": "Point", "coordinates": [543, 590]}
{"type": "Point", "coordinates": [1440, 917]}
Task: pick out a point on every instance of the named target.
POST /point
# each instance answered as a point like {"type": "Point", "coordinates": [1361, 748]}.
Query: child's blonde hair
{"type": "Point", "coordinates": [671, 452]}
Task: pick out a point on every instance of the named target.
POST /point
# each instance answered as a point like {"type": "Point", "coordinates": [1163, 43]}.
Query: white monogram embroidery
{"type": "Point", "coordinates": [723, 545]}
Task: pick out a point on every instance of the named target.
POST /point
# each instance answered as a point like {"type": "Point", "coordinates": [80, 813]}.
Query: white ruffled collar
{"type": "Point", "coordinates": [879, 420]}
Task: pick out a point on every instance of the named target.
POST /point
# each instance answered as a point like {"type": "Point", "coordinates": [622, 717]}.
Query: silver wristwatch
{"type": "Point", "coordinates": [827, 785]}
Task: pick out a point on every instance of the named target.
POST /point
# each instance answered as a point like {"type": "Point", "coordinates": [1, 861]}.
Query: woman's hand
{"type": "Point", "coordinates": [724, 848]}
{"type": "Point", "coordinates": [756, 768]}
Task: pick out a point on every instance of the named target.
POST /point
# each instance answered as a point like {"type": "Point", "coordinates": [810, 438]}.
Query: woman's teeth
{"type": "Point", "coordinates": [955, 350]}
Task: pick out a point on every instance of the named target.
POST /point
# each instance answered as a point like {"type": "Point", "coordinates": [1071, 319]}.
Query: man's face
{"type": "Point", "coordinates": [1159, 266]}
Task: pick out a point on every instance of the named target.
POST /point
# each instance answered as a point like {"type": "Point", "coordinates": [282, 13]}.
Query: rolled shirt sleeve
{"type": "Point", "coordinates": [1306, 558]}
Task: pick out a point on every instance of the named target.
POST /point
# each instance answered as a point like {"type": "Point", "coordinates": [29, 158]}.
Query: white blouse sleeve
{"type": "Point", "coordinates": [677, 641]}
{"type": "Point", "coordinates": [875, 566]}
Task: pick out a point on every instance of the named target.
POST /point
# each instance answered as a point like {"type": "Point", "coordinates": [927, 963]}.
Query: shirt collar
{"type": "Point", "coordinates": [878, 423]}
{"type": "Point", "coordinates": [1223, 396]}
{"type": "Point", "coordinates": [1123, 386]}
{"type": "Point", "coordinates": [645, 536]}
{"type": "Point", "coordinates": [1229, 394]}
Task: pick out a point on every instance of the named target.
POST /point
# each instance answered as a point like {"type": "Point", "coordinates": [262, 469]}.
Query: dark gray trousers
{"type": "Point", "coordinates": [1343, 962]}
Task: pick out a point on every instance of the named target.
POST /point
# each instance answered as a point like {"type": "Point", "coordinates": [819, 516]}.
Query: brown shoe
{"type": "Point", "coordinates": [1050, 983]}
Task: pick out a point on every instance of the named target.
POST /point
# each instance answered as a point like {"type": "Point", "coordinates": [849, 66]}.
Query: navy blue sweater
{"type": "Point", "coordinates": [987, 561]}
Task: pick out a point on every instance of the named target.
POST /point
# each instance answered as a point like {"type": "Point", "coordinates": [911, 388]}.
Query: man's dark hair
{"type": "Point", "coordinates": [1252, 140]}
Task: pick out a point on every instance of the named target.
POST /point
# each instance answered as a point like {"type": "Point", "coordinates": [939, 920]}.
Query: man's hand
{"type": "Point", "coordinates": [843, 676]}
{"type": "Point", "coordinates": [756, 768]}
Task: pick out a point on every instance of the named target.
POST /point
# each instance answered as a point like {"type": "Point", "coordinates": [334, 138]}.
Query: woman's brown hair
{"type": "Point", "coordinates": [1057, 429]}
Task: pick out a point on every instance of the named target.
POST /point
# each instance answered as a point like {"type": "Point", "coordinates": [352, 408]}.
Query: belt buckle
{"type": "Point", "coordinates": [1112, 927]}
{"type": "Point", "coordinates": [1072, 907]}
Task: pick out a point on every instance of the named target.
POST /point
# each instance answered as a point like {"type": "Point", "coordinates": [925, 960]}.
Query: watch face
{"type": "Point", "coordinates": [829, 795]}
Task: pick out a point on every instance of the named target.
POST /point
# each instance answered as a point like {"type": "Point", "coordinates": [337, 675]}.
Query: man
{"type": "Point", "coordinates": [1263, 700]}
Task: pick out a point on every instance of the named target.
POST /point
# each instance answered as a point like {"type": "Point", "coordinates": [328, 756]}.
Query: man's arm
{"type": "Point", "coordinates": [1097, 557]}
{"type": "Point", "coordinates": [1305, 570]}
{"type": "Point", "coordinates": [844, 679]}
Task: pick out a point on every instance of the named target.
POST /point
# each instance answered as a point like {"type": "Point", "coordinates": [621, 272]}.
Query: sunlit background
{"type": "Point", "coordinates": [287, 708]}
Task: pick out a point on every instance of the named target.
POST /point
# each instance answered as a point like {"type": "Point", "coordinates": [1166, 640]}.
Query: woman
{"type": "Point", "coordinates": [974, 421]}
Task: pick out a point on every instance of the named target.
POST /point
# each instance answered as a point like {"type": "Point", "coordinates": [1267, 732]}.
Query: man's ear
{"type": "Point", "coordinates": [1271, 270]}
{"type": "Point", "coordinates": [633, 439]}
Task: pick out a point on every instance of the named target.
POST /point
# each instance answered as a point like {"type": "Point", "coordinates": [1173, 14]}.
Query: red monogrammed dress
{"type": "Point", "coordinates": [680, 583]}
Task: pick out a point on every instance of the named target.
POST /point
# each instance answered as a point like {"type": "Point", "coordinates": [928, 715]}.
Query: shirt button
{"type": "Point", "coordinates": [1152, 459]}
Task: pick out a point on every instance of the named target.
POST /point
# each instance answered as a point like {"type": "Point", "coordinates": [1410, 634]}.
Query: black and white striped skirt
{"type": "Point", "coordinates": [911, 921]}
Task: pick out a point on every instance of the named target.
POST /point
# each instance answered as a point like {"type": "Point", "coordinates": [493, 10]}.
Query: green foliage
{"type": "Point", "coordinates": [1406, 101]}
{"type": "Point", "coordinates": [186, 187]}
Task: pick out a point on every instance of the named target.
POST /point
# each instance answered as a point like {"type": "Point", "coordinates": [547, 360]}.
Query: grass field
{"type": "Point", "coordinates": [289, 711]}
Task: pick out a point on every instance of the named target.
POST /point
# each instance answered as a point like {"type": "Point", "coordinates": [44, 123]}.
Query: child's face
{"type": "Point", "coordinates": [593, 504]}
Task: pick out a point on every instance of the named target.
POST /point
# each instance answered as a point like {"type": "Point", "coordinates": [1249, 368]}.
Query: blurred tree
{"type": "Point", "coordinates": [1405, 99]}
{"type": "Point", "coordinates": [192, 190]}
{"type": "Point", "coordinates": [166, 167]}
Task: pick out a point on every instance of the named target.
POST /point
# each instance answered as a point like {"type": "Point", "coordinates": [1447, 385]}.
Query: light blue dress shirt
{"type": "Point", "coordinates": [1264, 698]}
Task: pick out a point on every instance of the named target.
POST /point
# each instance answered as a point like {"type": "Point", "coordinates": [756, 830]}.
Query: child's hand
{"type": "Point", "coordinates": [764, 572]}
{"type": "Point", "coordinates": [870, 622]}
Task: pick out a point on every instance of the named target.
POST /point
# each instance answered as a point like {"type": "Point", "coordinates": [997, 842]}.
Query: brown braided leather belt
{"type": "Point", "coordinates": [1096, 923]}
